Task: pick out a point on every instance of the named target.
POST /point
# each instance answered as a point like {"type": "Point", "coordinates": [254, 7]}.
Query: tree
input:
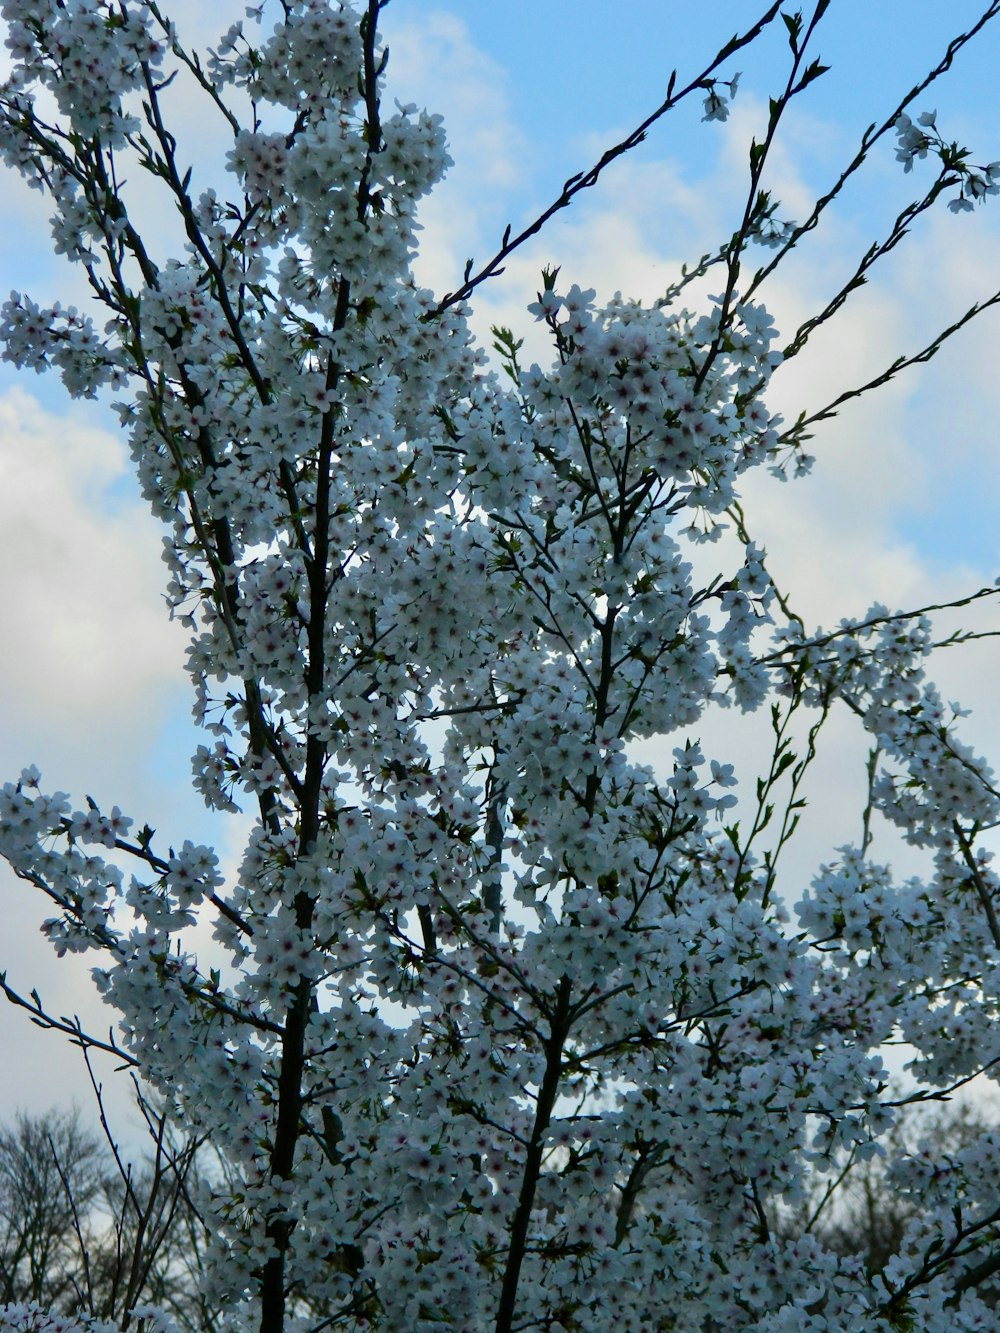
{"type": "Point", "coordinates": [50, 1169]}
{"type": "Point", "coordinates": [506, 1030]}
{"type": "Point", "coordinates": [862, 1210]}
{"type": "Point", "coordinates": [78, 1239]}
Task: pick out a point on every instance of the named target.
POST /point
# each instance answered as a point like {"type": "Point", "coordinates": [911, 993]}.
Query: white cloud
{"type": "Point", "coordinates": [436, 66]}
{"type": "Point", "coordinates": [81, 583]}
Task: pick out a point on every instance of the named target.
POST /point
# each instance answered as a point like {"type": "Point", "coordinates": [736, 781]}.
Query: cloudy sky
{"type": "Point", "coordinates": [901, 506]}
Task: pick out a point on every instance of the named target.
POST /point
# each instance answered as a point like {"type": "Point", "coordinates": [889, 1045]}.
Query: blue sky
{"type": "Point", "coordinates": [575, 76]}
{"type": "Point", "coordinates": [902, 505]}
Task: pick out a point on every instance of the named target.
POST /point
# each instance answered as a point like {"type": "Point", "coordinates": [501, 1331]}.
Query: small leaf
{"type": "Point", "coordinates": [793, 22]}
{"type": "Point", "coordinates": [812, 72]}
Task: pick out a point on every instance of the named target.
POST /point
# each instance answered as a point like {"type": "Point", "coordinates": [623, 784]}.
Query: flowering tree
{"type": "Point", "coordinates": [505, 1030]}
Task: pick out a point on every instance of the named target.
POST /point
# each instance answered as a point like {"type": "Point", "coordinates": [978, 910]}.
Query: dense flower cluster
{"type": "Point", "coordinates": [513, 1030]}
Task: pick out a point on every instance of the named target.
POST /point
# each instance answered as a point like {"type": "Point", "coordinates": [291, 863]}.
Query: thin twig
{"type": "Point", "coordinates": [585, 179]}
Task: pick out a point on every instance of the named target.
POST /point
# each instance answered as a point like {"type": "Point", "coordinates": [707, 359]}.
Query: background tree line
{"type": "Point", "coordinates": [84, 1233]}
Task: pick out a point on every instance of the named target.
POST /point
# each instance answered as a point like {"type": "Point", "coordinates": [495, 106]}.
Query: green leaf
{"type": "Point", "coordinates": [783, 764]}
{"type": "Point", "coordinates": [810, 74]}
{"type": "Point", "coordinates": [793, 22]}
